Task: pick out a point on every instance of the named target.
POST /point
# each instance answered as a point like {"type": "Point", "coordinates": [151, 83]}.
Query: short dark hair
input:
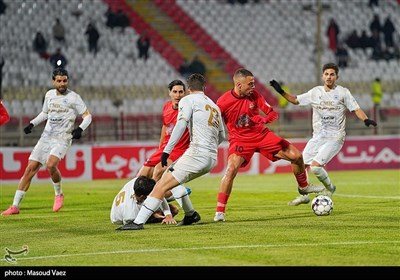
{"type": "Point", "coordinates": [330, 65]}
{"type": "Point", "coordinates": [176, 83]}
{"type": "Point", "coordinates": [241, 72]}
{"type": "Point", "coordinates": [196, 81]}
{"type": "Point", "coordinates": [143, 185]}
{"type": "Point", "coordinates": [59, 71]}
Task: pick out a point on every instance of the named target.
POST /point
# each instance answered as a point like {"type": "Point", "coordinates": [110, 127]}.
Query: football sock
{"type": "Point", "coordinates": [302, 179]}
{"type": "Point", "coordinates": [178, 193]}
{"type": "Point", "coordinates": [322, 175]}
{"type": "Point", "coordinates": [19, 195]}
{"type": "Point", "coordinates": [222, 201]}
{"type": "Point", "coordinates": [187, 205]}
{"type": "Point", "coordinates": [57, 188]}
{"type": "Point", "coordinates": [150, 205]}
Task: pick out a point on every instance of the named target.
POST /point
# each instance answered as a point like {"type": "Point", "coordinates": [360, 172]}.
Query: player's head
{"type": "Point", "coordinates": [59, 72]}
{"type": "Point", "coordinates": [330, 73]}
{"type": "Point", "coordinates": [176, 83]}
{"type": "Point", "coordinates": [332, 66]}
{"type": "Point", "coordinates": [177, 90]}
{"type": "Point", "coordinates": [60, 80]}
{"type": "Point", "coordinates": [143, 186]}
{"type": "Point", "coordinates": [244, 82]}
{"type": "Point", "coordinates": [196, 82]}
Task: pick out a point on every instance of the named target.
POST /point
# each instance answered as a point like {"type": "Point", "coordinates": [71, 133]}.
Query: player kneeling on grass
{"type": "Point", "coordinates": [128, 201]}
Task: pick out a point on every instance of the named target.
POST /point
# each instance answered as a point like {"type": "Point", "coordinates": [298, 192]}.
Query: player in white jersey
{"type": "Point", "coordinates": [330, 103]}
{"type": "Point", "coordinates": [128, 201]}
{"type": "Point", "coordinates": [206, 127]}
{"type": "Point", "coordinates": [61, 106]}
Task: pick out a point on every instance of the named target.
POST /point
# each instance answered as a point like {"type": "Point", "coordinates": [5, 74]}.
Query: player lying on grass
{"type": "Point", "coordinates": [128, 201]}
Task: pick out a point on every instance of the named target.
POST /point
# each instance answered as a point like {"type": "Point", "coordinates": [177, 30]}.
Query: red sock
{"type": "Point", "coordinates": [302, 179]}
{"type": "Point", "coordinates": [222, 201]}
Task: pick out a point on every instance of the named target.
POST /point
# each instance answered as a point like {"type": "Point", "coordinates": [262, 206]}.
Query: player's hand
{"type": "Point", "coordinates": [276, 86]}
{"type": "Point", "coordinates": [164, 158]}
{"type": "Point", "coordinates": [369, 122]}
{"type": "Point", "coordinates": [168, 220]}
{"type": "Point", "coordinates": [271, 116]}
{"type": "Point", "coordinates": [257, 119]}
{"type": "Point", "coordinates": [77, 133]}
{"type": "Point", "coordinates": [28, 129]}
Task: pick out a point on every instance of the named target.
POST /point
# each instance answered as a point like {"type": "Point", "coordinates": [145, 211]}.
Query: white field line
{"type": "Point", "coordinates": [157, 250]}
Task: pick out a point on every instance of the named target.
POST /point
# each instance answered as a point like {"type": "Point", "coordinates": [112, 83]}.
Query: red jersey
{"type": "Point", "coordinates": [169, 117]}
{"type": "Point", "coordinates": [4, 116]}
{"type": "Point", "coordinates": [237, 112]}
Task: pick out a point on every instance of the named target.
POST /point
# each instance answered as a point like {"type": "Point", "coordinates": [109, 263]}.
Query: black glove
{"type": "Point", "coordinates": [369, 122]}
{"type": "Point", "coordinates": [164, 158]}
{"type": "Point", "coordinates": [77, 133]}
{"type": "Point", "coordinates": [276, 86]}
{"type": "Point", "coordinates": [28, 129]}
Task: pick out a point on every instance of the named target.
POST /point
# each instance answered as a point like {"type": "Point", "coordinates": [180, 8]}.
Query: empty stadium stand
{"type": "Point", "coordinates": [274, 39]}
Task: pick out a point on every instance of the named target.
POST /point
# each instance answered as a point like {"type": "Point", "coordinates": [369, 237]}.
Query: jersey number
{"type": "Point", "coordinates": [213, 118]}
{"type": "Point", "coordinates": [120, 198]}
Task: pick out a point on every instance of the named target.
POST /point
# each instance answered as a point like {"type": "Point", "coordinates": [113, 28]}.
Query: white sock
{"type": "Point", "coordinates": [187, 206]}
{"type": "Point", "coordinates": [322, 175]}
{"type": "Point", "coordinates": [19, 195]}
{"type": "Point", "coordinates": [57, 188]}
{"type": "Point", "coordinates": [150, 205]}
{"type": "Point", "coordinates": [178, 192]}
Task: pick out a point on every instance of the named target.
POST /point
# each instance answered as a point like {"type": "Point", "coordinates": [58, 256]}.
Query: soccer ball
{"type": "Point", "coordinates": [322, 205]}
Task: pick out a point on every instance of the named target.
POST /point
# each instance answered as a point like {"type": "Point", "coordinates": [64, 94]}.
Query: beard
{"type": "Point", "coordinates": [62, 90]}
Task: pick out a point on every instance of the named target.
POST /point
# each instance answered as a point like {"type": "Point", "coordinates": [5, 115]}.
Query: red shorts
{"type": "Point", "coordinates": [266, 144]}
{"type": "Point", "coordinates": [155, 158]}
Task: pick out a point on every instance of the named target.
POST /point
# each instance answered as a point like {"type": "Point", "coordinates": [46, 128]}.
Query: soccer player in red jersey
{"type": "Point", "coordinates": [248, 134]}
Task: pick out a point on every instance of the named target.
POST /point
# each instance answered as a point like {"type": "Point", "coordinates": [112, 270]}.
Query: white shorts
{"type": "Point", "coordinates": [50, 146]}
{"type": "Point", "coordinates": [192, 164]}
{"type": "Point", "coordinates": [321, 150]}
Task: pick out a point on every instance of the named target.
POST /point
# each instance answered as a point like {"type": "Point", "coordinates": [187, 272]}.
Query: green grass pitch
{"type": "Point", "coordinates": [260, 230]}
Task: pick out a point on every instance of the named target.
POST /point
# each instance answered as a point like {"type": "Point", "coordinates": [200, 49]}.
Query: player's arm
{"type": "Point", "coordinates": [162, 136]}
{"type": "Point", "coordinates": [223, 131]}
{"type": "Point", "coordinates": [288, 96]}
{"type": "Point", "coordinates": [362, 116]}
{"type": "Point", "coordinates": [168, 218]}
{"type": "Point", "coordinates": [185, 112]}
{"type": "Point", "coordinates": [39, 119]}
{"type": "Point", "coordinates": [86, 121]}
{"type": "Point", "coordinates": [176, 134]}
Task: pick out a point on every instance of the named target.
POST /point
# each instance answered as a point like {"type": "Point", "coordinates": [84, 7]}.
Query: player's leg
{"type": "Point", "coordinates": [188, 168]}
{"type": "Point", "coordinates": [58, 152]}
{"type": "Point", "coordinates": [146, 171]}
{"type": "Point", "coordinates": [55, 175]}
{"type": "Point", "coordinates": [23, 186]}
{"type": "Point", "coordinates": [178, 193]}
{"type": "Point", "coordinates": [325, 152]}
{"type": "Point", "coordinates": [154, 199]}
{"type": "Point", "coordinates": [300, 173]}
{"type": "Point", "coordinates": [226, 184]}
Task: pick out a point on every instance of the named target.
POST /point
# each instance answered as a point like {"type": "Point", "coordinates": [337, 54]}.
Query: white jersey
{"type": "Point", "coordinates": [62, 111]}
{"type": "Point", "coordinates": [329, 110]}
{"type": "Point", "coordinates": [125, 207]}
{"type": "Point", "coordinates": [204, 123]}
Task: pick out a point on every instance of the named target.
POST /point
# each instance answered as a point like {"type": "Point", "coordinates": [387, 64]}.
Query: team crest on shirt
{"type": "Point", "coordinates": [252, 106]}
{"type": "Point", "coordinates": [243, 121]}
